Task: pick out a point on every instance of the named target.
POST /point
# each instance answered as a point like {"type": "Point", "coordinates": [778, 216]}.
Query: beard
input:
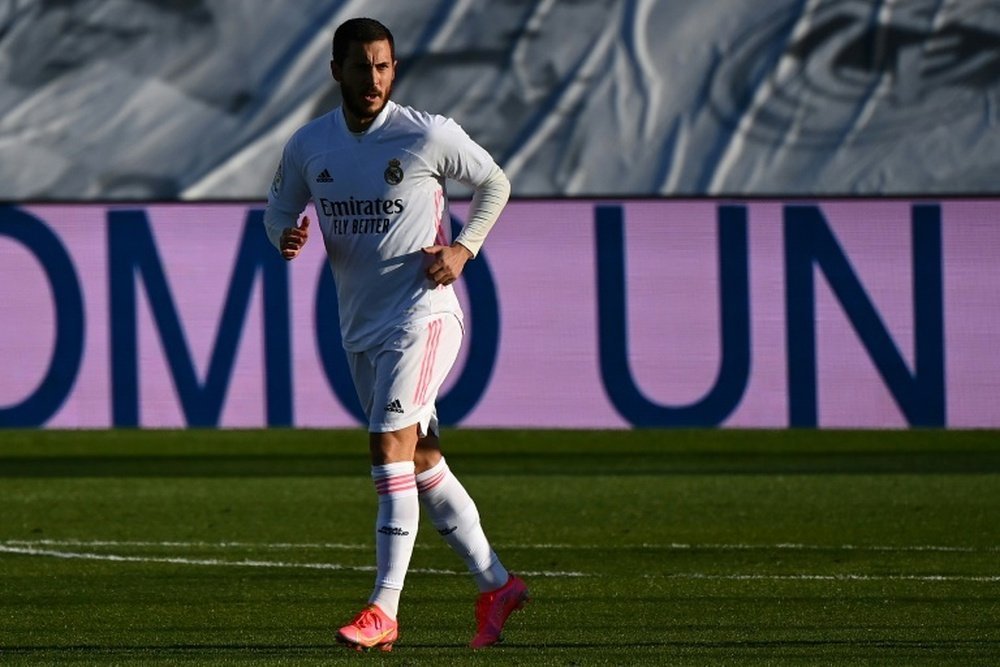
{"type": "Point", "coordinates": [355, 102]}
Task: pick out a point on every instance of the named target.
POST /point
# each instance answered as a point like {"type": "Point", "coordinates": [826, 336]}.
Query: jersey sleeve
{"type": "Point", "coordinates": [487, 203]}
{"type": "Point", "coordinates": [458, 156]}
{"type": "Point", "coordinates": [288, 194]}
{"type": "Point", "coordinates": [462, 159]}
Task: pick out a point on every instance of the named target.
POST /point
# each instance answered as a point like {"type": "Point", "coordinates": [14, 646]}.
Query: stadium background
{"type": "Point", "coordinates": [761, 214]}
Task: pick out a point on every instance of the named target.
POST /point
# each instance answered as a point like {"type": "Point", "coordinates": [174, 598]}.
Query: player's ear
{"type": "Point", "coordinates": [335, 71]}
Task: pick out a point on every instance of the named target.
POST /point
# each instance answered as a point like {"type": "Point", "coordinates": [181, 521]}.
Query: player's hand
{"type": "Point", "coordinates": [448, 262]}
{"type": "Point", "coordinates": [293, 238]}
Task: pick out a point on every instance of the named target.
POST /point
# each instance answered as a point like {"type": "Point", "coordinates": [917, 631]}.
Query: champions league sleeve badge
{"type": "Point", "coordinates": [276, 183]}
{"type": "Point", "coordinates": [394, 172]}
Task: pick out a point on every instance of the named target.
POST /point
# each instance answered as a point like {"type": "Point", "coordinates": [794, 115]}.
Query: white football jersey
{"type": "Point", "coordinates": [381, 198]}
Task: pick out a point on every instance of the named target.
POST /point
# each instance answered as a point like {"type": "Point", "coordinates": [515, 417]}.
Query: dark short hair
{"type": "Point", "coordinates": [360, 30]}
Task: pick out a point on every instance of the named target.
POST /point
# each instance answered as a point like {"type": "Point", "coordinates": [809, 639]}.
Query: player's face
{"type": "Point", "coordinates": [365, 78]}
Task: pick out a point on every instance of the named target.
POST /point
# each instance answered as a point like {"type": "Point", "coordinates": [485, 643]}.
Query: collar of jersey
{"type": "Point", "coordinates": [379, 121]}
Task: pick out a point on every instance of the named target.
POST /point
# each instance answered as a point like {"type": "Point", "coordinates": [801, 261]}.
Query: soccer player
{"type": "Point", "coordinates": [376, 172]}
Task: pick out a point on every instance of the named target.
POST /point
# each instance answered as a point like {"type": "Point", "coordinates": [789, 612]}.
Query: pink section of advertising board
{"type": "Point", "coordinates": [542, 257]}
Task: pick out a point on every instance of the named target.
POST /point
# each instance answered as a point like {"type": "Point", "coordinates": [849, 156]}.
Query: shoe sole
{"type": "Point", "coordinates": [361, 648]}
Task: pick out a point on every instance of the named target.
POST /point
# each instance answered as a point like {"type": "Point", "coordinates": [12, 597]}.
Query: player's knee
{"type": "Point", "coordinates": [393, 446]}
{"type": "Point", "coordinates": [428, 454]}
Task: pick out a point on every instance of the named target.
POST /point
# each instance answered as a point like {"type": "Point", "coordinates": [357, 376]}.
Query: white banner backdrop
{"type": "Point", "coordinates": [194, 100]}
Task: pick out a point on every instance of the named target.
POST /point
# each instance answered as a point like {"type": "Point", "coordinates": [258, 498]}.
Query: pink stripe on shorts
{"type": "Point", "coordinates": [427, 365]}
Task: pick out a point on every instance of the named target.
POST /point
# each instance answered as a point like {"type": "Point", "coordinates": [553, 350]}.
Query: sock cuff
{"type": "Point", "coordinates": [432, 477]}
{"type": "Point", "coordinates": [394, 478]}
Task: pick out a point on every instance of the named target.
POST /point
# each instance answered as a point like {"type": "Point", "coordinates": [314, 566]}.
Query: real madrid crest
{"type": "Point", "coordinates": [394, 172]}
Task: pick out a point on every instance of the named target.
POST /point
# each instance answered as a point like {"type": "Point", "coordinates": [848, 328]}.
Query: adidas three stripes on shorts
{"type": "Point", "coordinates": [398, 381]}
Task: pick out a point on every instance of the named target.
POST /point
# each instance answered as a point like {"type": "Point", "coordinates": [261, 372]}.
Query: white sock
{"type": "Point", "coordinates": [454, 514]}
{"type": "Point", "coordinates": [395, 531]}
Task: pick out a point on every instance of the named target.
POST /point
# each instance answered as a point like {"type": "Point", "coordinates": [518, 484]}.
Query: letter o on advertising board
{"type": "Point", "coordinates": [67, 353]}
{"type": "Point", "coordinates": [483, 343]}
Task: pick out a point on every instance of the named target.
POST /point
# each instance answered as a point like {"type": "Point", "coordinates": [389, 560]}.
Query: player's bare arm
{"type": "Point", "coordinates": [293, 238]}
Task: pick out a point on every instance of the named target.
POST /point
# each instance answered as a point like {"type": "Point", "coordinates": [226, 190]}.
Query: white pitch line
{"type": "Point", "coordinates": [33, 548]}
{"type": "Point", "coordinates": [679, 546]}
{"type": "Point", "coordinates": [192, 544]}
{"type": "Point", "coordinates": [831, 577]}
{"type": "Point", "coordinates": [675, 546]}
{"type": "Point", "coordinates": [824, 547]}
{"type": "Point", "coordinates": [216, 562]}
{"type": "Point", "coordinates": [117, 558]}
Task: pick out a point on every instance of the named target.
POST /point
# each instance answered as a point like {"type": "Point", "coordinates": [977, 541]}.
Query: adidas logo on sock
{"type": "Point", "coordinates": [394, 406]}
{"type": "Point", "coordinates": [324, 177]}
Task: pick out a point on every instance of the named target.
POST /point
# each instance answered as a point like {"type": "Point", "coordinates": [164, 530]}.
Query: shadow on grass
{"type": "Point", "coordinates": [539, 463]}
{"type": "Point", "coordinates": [690, 645]}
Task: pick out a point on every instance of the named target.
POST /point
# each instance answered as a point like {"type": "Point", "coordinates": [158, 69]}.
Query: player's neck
{"type": "Point", "coordinates": [357, 125]}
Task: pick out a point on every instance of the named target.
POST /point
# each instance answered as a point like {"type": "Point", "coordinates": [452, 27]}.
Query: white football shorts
{"type": "Point", "coordinates": [398, 381]}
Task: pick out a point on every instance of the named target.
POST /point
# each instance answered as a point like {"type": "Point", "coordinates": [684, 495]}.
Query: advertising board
{"type": "Point", "coordinates": [845, 313]}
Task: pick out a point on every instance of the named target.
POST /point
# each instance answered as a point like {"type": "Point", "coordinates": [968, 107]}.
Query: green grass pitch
{"type": "Point", "coordinates": [714, 547]}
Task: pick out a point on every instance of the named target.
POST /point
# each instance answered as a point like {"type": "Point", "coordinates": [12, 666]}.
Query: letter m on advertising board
{"type": "Point", "coordinates": [133, 258]}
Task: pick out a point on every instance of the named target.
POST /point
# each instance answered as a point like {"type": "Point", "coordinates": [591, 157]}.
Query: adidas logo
{"type": "Point", "coordinates": [393, 530]}
{"type": "Point", "coordinates": [447, 531]}
{"type": "Point", "coordinates": [324, 177]}
{"type": "Point", "coordinates": [394, 406]}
